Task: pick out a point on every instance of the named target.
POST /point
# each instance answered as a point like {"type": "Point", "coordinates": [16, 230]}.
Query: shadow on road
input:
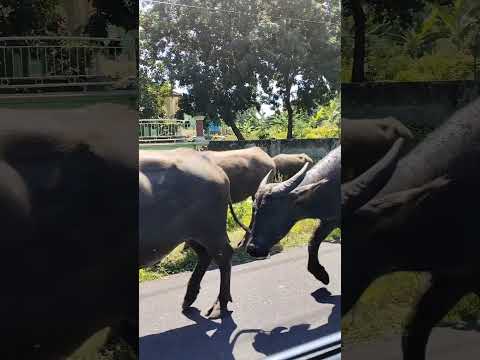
{"type": "Point", "coordinates": [282, 338]}
{"type": "Point", "coordinates": [207, 339]}
{"type": "Point", "coordinates": [191, 342]}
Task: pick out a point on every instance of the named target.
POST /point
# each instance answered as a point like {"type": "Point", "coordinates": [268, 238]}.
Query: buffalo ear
{"type": "Point", "coordinates": [402, 205]}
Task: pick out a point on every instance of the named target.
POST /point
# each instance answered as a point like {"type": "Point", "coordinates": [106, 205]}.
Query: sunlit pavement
{"type": "Point", "coordinates": [277, 305]}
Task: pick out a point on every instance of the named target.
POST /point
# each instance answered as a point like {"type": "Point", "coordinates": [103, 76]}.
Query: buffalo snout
{"type": "Point", "coordinates": [256, 251]}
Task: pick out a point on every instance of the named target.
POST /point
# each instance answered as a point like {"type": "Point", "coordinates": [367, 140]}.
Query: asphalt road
{"type": "Point", "coordinates": [444, 344]}
{"type": "Point", "coordinates": [277, 305]}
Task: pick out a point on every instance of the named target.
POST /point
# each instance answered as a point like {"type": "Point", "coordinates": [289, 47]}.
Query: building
{"type": "Point", "coordinates": [172, 104]}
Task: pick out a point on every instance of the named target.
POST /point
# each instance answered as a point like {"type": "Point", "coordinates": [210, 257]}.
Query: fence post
{"type": "Point", "coordinates": [199, 125]}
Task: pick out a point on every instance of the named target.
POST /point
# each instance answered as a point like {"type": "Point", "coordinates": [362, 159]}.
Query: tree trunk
{"type": "Point", "coordinates": [230, 122]}
{"type": "Point", "coordinates": [288, 106]}
{"type": "Point", "coordinates": [358, 69]}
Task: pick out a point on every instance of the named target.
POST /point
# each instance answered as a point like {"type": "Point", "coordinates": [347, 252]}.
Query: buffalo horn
{"type": "Point", "coordinates": [290, 184]}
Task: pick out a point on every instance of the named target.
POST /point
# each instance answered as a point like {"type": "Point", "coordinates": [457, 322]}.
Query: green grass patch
{"type": "Point", "coordinates": [104, 346]}
{"type": "Point", "coordinates": [180, 259]}
{"type": "Point", "coordinates": [385, 307]}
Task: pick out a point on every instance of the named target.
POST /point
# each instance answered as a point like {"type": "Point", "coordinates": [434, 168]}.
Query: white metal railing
{"type": "Point", "coordinates": [165, 130]}
{"type": "Point", "coordinates": [48, 61]}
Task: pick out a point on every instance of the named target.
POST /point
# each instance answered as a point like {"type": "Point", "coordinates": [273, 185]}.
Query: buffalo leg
{"type": "Point", "coordinates": [128, 331]}
{"type": "Point", "coordinates": [193, 288]}
{"type": "Point", "coordinates": [224, 262]}
{"type": "Point", "coordinates": [314, 266]}
{"type": "Point", "coordinates": [442, 295]}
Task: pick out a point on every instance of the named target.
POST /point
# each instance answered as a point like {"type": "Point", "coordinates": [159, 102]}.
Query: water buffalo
{"type": "Point", "coordinates": [422, 219]}
{"type": "Point", "coordinates": [183, 196]}
{"type": "Point", "coordinates": [365, 141]}
{"type": "Point", "coordinates": [68, 204]}
{"type": "Point", "coordinates": [288, 165]}
{"type": "Point", "coordinates": [245, 169]}
{"type": "Point", "coordinates": [312, 194]}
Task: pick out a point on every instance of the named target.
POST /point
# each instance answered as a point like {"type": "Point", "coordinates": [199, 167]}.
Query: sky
{"type": "Point", "coordinates": [265, 109]}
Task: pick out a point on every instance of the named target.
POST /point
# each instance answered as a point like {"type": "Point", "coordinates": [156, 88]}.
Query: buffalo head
{"type": "Point", "coordinates": [276, 209]}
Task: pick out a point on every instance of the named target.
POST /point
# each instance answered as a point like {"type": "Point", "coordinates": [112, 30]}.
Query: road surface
{"type": "Point", "coordinates": [277, 305]}
{"type": "Point", "coordinates": [444, 344]}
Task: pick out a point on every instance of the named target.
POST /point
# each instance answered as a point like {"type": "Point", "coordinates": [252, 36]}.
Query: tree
{"type": "Point", "coordinates": [209, 53]}
{"type": "Point", "coordinates": [122, 13]}
{"type": "Point", "coordinates": [151, 99]}
{"type": "Point", "coordinates": [298, 47]}
{"type": "Point", "coordinates": [29, 17]}
{"type": "Point", "coordinates": [387, 9]}
{"type": "Point", "coordinates": [460, 22]}
{"type": "Point", "coordinates": [153, 84]}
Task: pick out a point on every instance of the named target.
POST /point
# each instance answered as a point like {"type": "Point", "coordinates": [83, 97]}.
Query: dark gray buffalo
{"type": "Point", "coordinates": [307, 194]}
{"type": "Point", "coordinates": [246, 168]}
{"type": "Point", "coordinates": [422, 218]}
{"type": "Point", "coordinates": [183, 196]}
{"type": "Point", "coordinates": [365, 141]}
{"type": "Point", "coordinates": [68, 207]}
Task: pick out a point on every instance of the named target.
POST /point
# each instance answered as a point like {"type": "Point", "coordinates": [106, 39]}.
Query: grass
{"type": "Point", "coordinates": [180, 260]}
{"type": "Point", "coordinates": [385, 307]}
{"type": "Point", "coordinates": [101, 347]}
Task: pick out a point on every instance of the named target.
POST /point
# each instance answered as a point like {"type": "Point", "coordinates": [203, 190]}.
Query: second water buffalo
{"type": "Point", "coordinates": [365, 141]}
{"type": "Point", "coordinates": [288, 165]}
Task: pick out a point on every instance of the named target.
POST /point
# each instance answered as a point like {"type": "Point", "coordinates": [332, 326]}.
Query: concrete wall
{"type": "Point", "coordinates": [315, 148]}
{"type": "Point", "coordinates": [424, 104]}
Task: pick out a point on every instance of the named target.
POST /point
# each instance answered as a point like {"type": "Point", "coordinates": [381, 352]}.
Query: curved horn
{"type": "Point", "coordinates": [290, 184]}
{"type": "Point", "coordinates": [359, 191]}
{"type": "Point", "coordinates": [266, 179]}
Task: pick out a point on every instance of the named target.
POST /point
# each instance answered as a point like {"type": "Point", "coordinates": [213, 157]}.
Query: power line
{"type": "Point", "coordinates": [150, 2]}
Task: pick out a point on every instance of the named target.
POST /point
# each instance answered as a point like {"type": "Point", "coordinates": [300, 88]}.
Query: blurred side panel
{"type": "Point", "coordinates": [410, 154]}
{"type": "Point", "coordinates": [68, 179]}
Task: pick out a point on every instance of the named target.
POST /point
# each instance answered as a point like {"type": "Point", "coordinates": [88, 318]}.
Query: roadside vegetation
{"type": "Point", "coordinates": [324, 122]}
{"type": "Point", "coordinates": [289, 65]}
{"type": "Point", "coordinates": [414, 40]}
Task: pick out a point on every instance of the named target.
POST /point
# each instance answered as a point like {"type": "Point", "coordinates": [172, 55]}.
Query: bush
{"type": "Point", "coordinates": [324, 123]}
{"type": "Point", "coordinates": [436, 67]}
{"type": "Point", "coordinates": [326, 131]}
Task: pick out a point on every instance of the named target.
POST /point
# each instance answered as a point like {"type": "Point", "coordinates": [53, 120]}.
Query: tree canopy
{"type": "Point", "coordinates": [231, 56]}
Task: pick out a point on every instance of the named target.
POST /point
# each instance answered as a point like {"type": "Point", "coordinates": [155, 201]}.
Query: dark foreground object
{"type": "Point", "coordinates": [420, 216]}
{"type": "Point", "coordinates": [68, 209]}
{"type": "Point", "coordinates": [328, 348]}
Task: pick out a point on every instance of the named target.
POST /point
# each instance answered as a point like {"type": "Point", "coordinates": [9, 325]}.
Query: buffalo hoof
{"type": "Point", "coordinates": [217, 311]}
{"type": "Point", "coordinates": [322, 275]}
